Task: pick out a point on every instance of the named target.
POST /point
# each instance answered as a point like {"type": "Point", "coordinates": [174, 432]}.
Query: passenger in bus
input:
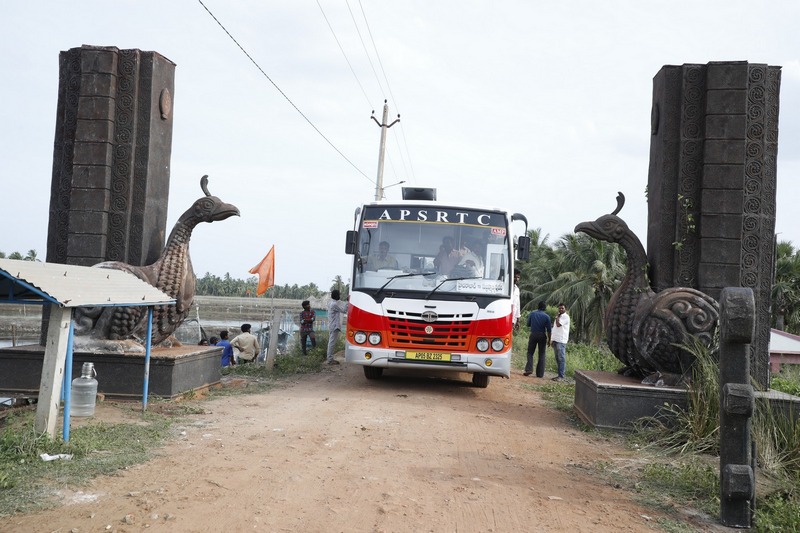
{"type": "Point", "coordinates": [447, 258]}
{"type": "Point", "coordinates": [382, 260]}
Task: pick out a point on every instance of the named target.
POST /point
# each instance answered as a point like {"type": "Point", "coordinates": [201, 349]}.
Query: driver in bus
{"type": "Point", "coordinates": [470, 264]}
{"type": "Point", "coordinates": [383, 260]}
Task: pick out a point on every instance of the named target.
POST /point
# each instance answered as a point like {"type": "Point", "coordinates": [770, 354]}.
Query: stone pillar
{"type": "Point", "coordinates": [110, 185]}
{"type": "Point", "coordinates": [711, 184]}
{"type": "Point", "coordinates": [737, 401]}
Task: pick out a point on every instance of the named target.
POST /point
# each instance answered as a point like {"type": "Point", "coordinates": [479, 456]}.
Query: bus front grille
{"type": "Point", "coordinates": [444, 335]}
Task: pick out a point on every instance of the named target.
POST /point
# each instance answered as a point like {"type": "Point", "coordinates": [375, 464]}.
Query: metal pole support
{"type": "Point", "coordinates": [737, 401]}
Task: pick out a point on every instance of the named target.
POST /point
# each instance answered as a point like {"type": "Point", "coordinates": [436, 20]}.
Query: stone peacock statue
{"type": "Point", "coordinates": [172, 273]}
{"type": "Point", "coordinates": [644, 329]}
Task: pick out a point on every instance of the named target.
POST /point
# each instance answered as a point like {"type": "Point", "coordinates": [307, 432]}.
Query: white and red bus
{"type": "Point", "coordinates": [440, 298]}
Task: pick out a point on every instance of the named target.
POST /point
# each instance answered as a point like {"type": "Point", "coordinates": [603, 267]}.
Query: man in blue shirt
{"type": "Point", "coordinates": [227, 349]}
{"type": "Point", "coordinates": [540, 325]}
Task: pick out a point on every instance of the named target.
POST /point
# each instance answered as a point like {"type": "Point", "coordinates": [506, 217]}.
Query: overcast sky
{"type": "Point", "coordinates": [541, 108]}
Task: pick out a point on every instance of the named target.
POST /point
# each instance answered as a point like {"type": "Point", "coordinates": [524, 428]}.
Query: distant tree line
{"type": "Point", "coordinates": [31, 256]}
{"type": "Point", "coordinates": [212, 285]}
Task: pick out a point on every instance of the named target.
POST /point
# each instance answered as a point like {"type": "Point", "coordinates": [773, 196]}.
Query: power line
{"type": "Point", "coordinates": [282, 93]}
{"type": "Point", "coordinates": [343, 53]}
{"type": "Point", "coordinates": [364, 46]}
{"type": "Point", "coordinates": [388, 86]}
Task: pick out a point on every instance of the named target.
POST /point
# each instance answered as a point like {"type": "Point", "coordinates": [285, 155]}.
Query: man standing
{"type": "Point", "coordinates": [515, 305]}
{"type": "Point", "coordinates": [335, 311]}
{"type": "Point", "coordinates": [307, 318]}
{"type": "Point", "coordinates": [540, 325]}
{"type": "Point", "coordinates": [559, 341]}
{"type": "Point", "coordinates": [247, 346]}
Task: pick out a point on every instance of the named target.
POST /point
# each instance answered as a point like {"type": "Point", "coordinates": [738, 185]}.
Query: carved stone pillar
{"type": "Point", "coordinates": [111, 158]}
{"type": "Point", "coordinates": [113, 140]}
{"type": "Point", "coordinates": [711, 184]}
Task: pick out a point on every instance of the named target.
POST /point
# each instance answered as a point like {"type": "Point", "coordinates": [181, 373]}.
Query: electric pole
{"type": "Point", "coordinates": [384, 127]}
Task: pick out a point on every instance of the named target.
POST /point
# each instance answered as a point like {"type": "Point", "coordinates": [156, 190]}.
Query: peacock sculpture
{"type": "Point", "coordinates": [647, 330]}
{"type": "Point", "coordinates": [172, 273]}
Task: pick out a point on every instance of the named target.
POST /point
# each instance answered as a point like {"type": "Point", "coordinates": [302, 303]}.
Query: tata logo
{"type": "Point", "coordinates": [429, 316]}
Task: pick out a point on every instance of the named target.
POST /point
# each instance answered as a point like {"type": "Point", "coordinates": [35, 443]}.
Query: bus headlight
{"type": "Point", "coordinates": [374, 338]}
{"type": "Point", "coordinates": [482, 345]}
{"type": "Point", "coordinates": [498, 345]}
{"type": "Point", "coordinates": [360, 337]}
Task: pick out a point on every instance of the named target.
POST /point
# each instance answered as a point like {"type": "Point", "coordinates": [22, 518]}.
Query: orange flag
{"type": "Point", "coordinates": [266, 272]}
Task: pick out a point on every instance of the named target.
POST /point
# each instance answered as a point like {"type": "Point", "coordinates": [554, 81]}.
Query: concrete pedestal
{"type": "Point", "coordinates": [610, 401]}
{"type": "Point", "coordinates": [173, 371]}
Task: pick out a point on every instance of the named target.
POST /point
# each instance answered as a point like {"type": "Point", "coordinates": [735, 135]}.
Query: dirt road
{"type": "Point", "coordinates": [335, 452]}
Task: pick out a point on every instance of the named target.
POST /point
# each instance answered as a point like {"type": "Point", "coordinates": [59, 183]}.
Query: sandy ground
{"type": "Point", "coordinates": [335, 452]}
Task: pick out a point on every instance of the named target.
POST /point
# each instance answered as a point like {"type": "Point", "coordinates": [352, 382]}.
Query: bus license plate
{"type": "Point", "coordinates": [428, 356]}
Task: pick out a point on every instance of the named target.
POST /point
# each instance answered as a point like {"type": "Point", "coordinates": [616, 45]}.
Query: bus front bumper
{"type": "Point", "coordinates": [496, 364]}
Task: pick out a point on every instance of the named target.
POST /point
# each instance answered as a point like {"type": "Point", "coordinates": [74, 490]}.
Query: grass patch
{"type": "Point", "coordinates": [690, 481]}
{"type": "Point", "coordinates": [291, 363]}
{"type": "Point", "coordinates": [27, 483]}
{"type": "Point", "coordinates": [778, 512]}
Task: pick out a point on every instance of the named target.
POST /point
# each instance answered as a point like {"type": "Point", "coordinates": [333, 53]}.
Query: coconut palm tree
{"type": "Point", "coordinates": [582, 273]}
{"type": "Point", "coordinates": [344, 288]}
{"type": "Point", "coordinates": [786, 288]}
{"type": "Point", "coordinates": [535, 271]}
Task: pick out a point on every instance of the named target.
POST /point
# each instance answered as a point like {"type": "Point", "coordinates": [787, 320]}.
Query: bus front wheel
{"type": "Point", "coordinates": [373, 372]}
{"type": "Point", "coordinates": [479, 380]}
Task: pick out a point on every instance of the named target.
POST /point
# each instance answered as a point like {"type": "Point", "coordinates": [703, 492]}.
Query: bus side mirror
{"type": "Point", "coordinates": [350, 242]}
{"type": "Point", "coordinates": [523, 248]}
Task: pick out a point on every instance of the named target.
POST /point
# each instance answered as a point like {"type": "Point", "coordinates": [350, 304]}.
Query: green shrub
{"type": "Point", "coordinates": [778, 512]}
{"type": "Point", "coordinates": [788, 380]}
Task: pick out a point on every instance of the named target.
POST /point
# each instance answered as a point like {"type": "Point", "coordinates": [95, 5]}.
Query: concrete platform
{"type": "Point", "coordinates": [610, 401]}
{"type": "Point", "coordinates": [173, 371]}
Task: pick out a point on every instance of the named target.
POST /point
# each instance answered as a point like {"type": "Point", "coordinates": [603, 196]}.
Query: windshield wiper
{"type": "Point", "coordinates": [403, 276]}
{"type": "Point", "coordinates": [450, 279]}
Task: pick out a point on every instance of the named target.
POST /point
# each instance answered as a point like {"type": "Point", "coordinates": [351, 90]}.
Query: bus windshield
{"type": "Point", "coordinates": [445, 250]}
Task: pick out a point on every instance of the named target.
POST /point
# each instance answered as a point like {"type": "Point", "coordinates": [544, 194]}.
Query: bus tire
{"type": "Point", "coordinates": [480, 380]}
{"type": "Point", "coordinates": [373, 372]}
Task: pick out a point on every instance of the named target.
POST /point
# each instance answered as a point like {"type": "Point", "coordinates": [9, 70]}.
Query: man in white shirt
{"type": "Point", "coordinates": [246, 346]}
{"type": "Point", "coordinates": [335, 311]}
{"type": "Point", "coordinates": [558, 339]}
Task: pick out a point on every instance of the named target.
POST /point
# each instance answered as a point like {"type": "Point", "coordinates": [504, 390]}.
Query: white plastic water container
{"type": "Point", "coordinates": [84, 392]}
